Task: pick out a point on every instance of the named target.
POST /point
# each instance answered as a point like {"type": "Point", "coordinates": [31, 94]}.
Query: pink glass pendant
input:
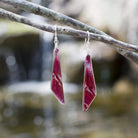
{"type": "Point", "coordinates": [89, 91]}
{"type": "Point", "coordinates": [56, 80]}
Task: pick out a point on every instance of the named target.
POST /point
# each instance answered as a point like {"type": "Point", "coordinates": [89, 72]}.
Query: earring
{"type": "Point", "coordinates": [89, 90]}
{"type": "Point", "coordinates": [56, 78]}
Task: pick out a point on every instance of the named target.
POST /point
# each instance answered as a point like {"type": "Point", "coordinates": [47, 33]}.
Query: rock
{"type": "Point", "coordinates": [16, 55]}
{"type": "Point", "coordinates": [123, 87]}
{"type": "Point", "coordinates": [133, 76]}
{"type": "Point", "coordinates": [8, 28]}
{"type": "Point", "coordinates": [3, 70]}
{"type": "Point", "coordinates": [71, 61]}
{"type": "Point", "coordinates": [24, 41]}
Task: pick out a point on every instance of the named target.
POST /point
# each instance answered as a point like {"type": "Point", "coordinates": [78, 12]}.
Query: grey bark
{"type": "Point", "coordinates": [125, 49]}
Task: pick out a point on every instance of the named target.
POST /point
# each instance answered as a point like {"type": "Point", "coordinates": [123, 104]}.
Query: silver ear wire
{"type": "Point", "coordinates": [88, 38]}
{"type": "Point", "coordinates": [87, 42]}
{"type": "Point", "coordinates": [55, 37]}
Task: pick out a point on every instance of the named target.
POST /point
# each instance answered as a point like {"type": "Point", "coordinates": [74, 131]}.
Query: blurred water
{"type": "Point", "coordinates": [32, 114]}
{"type": "Point", "coordinates": [47, 50]}
{"type": "Point", "coordinates": [11, 63]}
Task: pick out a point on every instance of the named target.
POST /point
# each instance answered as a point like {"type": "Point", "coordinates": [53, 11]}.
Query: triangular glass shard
{"type": "Point", "coordinates": [89, 90]}
{"type": "Point", "coordinates": [56, 80]}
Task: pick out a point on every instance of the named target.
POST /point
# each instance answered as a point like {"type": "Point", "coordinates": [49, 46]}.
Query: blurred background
{"type": "Point", "coordinates": [28, 108]}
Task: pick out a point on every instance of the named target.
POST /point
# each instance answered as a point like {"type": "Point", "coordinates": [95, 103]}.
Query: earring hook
{"type": "Point", "coordinates": [87, 42]}
{"type": "Point", "coordinates": [55, 38]}
{"type": "Point", "coordinates": [88, 38]}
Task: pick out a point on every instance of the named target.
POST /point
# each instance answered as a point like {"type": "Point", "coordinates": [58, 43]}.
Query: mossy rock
{"type": "Point", "coordinates": [14, 28]}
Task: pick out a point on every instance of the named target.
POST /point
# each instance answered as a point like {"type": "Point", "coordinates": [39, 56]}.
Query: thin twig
{"type": "Point", "coordinates": [68, 31]}
{"type": "Point", "coordinates": [132, 56]}
{"type": "Point", "coordinates": [63, 19]}
{"type": "Point", "coordinates": [51, 14]}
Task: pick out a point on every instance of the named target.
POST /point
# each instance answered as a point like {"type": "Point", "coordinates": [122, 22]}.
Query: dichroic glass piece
{"type": "Point", "coordinates": [89, 90]}
{"type": "Point", "coordinates": [56, 80]}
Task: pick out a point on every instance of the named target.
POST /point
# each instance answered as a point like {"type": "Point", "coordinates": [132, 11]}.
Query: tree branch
{"type": "Point", "coordinates": [67, 31]}
{"type": "Point", "coordinates": [132, 56]}
{"type": "Point", "coordinates": [51, 14]}
{"type": "Point", "coordinates": [121, 47]}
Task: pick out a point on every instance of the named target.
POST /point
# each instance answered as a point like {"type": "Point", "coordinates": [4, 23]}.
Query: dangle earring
{"type": "Point", "coordinates": [89, 87]}
{"type": "Point", "coordinates": [56, 78]}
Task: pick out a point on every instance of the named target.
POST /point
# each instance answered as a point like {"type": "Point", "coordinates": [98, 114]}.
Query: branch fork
{"type": "Point", "coordinates": [79, 29]}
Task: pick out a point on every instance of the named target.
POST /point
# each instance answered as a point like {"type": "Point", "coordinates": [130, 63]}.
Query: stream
{"type": "Point", "coordinates": [30, 110]}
